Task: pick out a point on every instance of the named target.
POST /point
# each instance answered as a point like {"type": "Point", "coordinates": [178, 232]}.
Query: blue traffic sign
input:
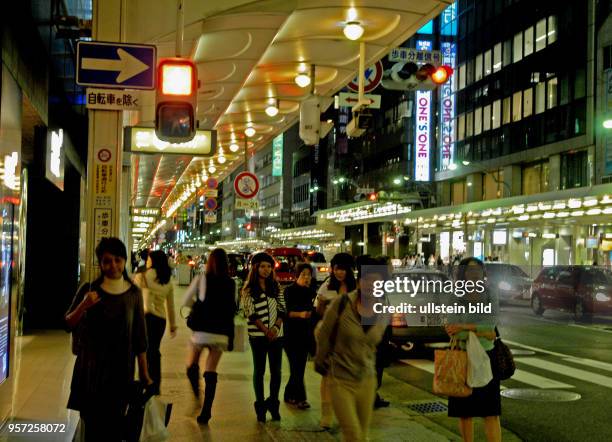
{"type": "Point", "coordinates": [119, 65]}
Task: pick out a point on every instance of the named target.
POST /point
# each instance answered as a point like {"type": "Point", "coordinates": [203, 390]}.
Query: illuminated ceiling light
{"type": "Point", "coordinates": [272, 109]}
{"type": "Point", "coordinates": [578, 213]}
{"type": "Point", "coordinates": [590, 203]}
{"type": "Point", "coordinates": [353, 30]}
{"type": "Point", "coordinates": [452, 166]}
{"type": "Point", "coordinates": [549, 235]}
{"type": "Point", "coordinates": [221, 159]}
{"type": "Point", "coordinates": [302, 80]}
{"type": "Point", "coordinates": [574, 204]}
{"type": "Point", "coordinates": [523, 218]}
{"type": "Point", "coordinates": [548, 215]}
{"type": "Point", "coordinates": [607, 124]}
{"type": "Point", "coordinates": [465, 163]}
{"type": "Point", "coordinates": [594, 212]}
{"type": "Point", "coordinates": [211, 167]}
{"type": "Point", "coordinates": [562, 214]}
{"type": "Point", "coordinates": [249, 131]}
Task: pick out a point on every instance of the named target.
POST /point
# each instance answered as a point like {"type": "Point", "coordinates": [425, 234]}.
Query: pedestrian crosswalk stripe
{"type": "Point", "coordinates": [568, 371]}
{"type": "Point", "coordinates": [423, 364]}
{"type": "Point", "coordinates": [528, 378]}
{"type": "Point", "coordinates": [590, 363]}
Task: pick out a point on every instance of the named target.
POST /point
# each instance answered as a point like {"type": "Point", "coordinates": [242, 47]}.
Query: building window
{"type": "Point", "coordinates": [527, 102]}
{"type": "Point", "coordinates": [458, 192]}
{"type": "Point", "coordinates": [540, 40]}
{"type": "Point", "coordinates": [528, 41]}
{"type": "Point", "coordinates": [517, 49]}
{"type": "Point", "coordinates": [535, 179]}
{"type": "Point", "coordinates": [486, 118]}
{"type": "Point", "coordinates": [493, 185]}
{"type": "Point", "coordinates": [478, 73]}
{"type": "Point", "coordinates": [507, 108]}
{"type": "Point", "coordinates": [552, 29]}
{"type": "Point", "coordinates": [496, 117]}
{"type": "Point", "coordinates": [487, 63]}
{"type": "Point", "coordinates": [478, 121]}
{"type": "Point", "coordinates": [552, 93]}
{"type": "Point", "coordinates": [461, 127]}
{"type": "Point", "coordinates": [579, 84]}
{"type": "Point", "coordinates": [497, 57]}
{"type": "Point", "coordinates": [574, 170]}
{"type": "Point", "coordinates": [540, 97]}
{"type": "Point", "coordinates": [517, 109]}
{"type": "Point", "coordinates": [507, 54]}
{"type": "Point", "coordinates": [462, 77]}
{"type": "Point", "coordinates": [469, 124]}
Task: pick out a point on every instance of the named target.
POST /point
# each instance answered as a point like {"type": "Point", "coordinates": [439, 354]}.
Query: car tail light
{"type": "Point", "coordinates": [323, 269]}
{"type": "Point", "coordinates": [398, 320]}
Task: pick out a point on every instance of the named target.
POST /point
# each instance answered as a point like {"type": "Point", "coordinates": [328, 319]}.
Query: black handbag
{"type": "Point", "coordinates": [194, 321]}
{"type": "Point", "coordinates": [503, 360]}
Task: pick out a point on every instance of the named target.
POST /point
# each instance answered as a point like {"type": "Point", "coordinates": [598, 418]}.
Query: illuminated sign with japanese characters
{"type": "Point", "coordinates": [277, 156]}
{"type": "Point", "coordinates": [422, 139]}
{"type": "Point", "coordinates": [447, 108]}
{"type": "Point", "coordinates": [54, 170]}
{"type": "Point", "coordinates": [144, 140]}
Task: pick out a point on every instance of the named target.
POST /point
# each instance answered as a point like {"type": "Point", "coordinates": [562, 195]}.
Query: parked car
{"type": "Point", "coordinates": [320, 266]}
{"type": "Point", "coordinates": [507, 281]}
{"type": "Point", "coordinates": [285, 259]}
{"type": "Point", "coordinates": [582, 290]}
{"type": "Point", "coordinates": [409, 329]}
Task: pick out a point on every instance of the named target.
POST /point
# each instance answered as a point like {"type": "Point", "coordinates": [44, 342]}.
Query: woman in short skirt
{"type": "Point", "coordinates": [485, 401]}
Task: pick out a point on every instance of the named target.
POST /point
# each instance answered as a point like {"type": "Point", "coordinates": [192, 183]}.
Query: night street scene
{"type": "Point", "coordinates": [306, 220]}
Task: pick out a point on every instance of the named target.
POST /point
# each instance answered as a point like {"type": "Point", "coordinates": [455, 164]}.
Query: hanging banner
{"type": "Point", "coordinates": [447, 109]}
{"type": "Point", "coordinates": [422, 157]}
{"type": "Point", "coordinates": [277, 156]}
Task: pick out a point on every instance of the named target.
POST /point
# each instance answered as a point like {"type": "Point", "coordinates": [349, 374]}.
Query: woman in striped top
{"type": "Point", "coordinates": [264, 306]}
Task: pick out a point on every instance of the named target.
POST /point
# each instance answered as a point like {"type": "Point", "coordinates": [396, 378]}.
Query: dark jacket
{"type": "Point", "coordinates": [216, 313]}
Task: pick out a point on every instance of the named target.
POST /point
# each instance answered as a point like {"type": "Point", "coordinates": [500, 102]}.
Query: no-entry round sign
{"type": "Point", "coordinates": [246, 185]}
{"type": "Point", "coordinates": [373, 75]}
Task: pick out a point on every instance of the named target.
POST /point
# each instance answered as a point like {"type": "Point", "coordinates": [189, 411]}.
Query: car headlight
{"type": "Point", "coordinates": [504, 286]}
{"type": "Point", "coordinates": [602, 297]}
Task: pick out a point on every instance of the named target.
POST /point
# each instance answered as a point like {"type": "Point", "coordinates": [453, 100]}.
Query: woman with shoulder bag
{"type": "Point", "coordinates": [111, 337]}
{"type": "Point", "coordinates": [484, 401]}
{"type": "Point", "coordinates": [211, 297]}
{"type": "Point", "coordinates": [158, 296]}
{"type": "Point", "coordinates": [348, 337]}
{"type": "Point", "coordinates": [341, 281]}
{"type": "Point", "coordinates": [264, 306]}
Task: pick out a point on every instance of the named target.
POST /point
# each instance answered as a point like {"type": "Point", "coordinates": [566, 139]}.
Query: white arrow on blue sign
{"type": "Point", "coordinates": [119, 65]}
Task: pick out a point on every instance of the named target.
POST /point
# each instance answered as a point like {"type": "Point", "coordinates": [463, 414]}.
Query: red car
{"type": "Point", "coordinates": [286, 259]}
{"type": "Point", "coordinates": [583, 290]}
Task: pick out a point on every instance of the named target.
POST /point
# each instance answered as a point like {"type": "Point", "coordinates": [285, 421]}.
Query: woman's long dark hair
{"type": "Point", "coordinates": [252, 283]}
{"type": "Point", "coordinates": [349, 279]}
{"type": "Point", "coordinates": [113, 246]}
{"type": "Point", "coordinates": [217, 264]}
{"type": "Point", "coordinates": [159, 262]}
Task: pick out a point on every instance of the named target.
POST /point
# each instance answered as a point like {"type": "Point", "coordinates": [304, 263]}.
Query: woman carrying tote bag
{"type": "Point", "coordinates": [484, 401]}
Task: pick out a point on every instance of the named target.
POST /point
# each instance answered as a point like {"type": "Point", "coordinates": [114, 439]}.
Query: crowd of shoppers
{"type": "Point", "coordinates": [118, 322]}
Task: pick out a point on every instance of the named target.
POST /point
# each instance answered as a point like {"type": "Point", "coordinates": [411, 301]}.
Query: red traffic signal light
{"type": "Point", "coordinates": [248, 226]}
{"type": "Point", "coordinates": [176, 100]}
{"type": "Point", "coordinates": [442, 74]}
{"type": "Point", "coordinates": [373, 197]}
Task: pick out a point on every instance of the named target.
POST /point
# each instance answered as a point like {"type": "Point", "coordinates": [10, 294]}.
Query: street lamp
{"type": "Point", "coordinates": [397, 181]}
{"type": "Point", "coordinates": [607, 124]}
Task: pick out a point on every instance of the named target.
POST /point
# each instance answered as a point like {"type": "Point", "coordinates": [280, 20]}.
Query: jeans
{"type": "Point", "coordinates": [261, 347]}
{"type": "Point", "coordinates": [156, 327]}
{"type": "Point", "coordinates": [297, 353]}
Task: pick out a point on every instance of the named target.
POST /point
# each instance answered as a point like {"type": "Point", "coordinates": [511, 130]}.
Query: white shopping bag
{"type": "Point", "coordinates": [479, 371]}
{"type": "Point", "coordinates": [241, 337]}
{"type": "Point", "coordinates": [154, 422]}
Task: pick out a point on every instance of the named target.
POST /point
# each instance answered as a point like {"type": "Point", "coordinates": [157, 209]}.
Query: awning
{"type": "Point", "coordinates": [577, 203]}
{"type": "Point", "coordinates": [309, 233]}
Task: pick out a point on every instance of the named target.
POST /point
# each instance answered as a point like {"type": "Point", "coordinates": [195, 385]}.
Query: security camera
{"type": "Point", "coordinates": [310, 120]}
{"type": "Point", "coordinates": [361, 121]}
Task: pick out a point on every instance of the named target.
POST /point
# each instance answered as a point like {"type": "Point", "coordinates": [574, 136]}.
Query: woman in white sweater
{"type": "Point", "coordinates": [158, 294]}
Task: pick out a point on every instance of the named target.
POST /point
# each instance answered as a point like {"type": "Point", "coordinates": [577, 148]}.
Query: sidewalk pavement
{"type": "Point", "coordinates": [44, 368]}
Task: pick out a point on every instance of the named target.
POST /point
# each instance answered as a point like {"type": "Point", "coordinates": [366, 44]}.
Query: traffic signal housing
{"type": "Point", "coordinates": [409, 76]}
{"type": "Point", "coordinates": [176, 100]}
